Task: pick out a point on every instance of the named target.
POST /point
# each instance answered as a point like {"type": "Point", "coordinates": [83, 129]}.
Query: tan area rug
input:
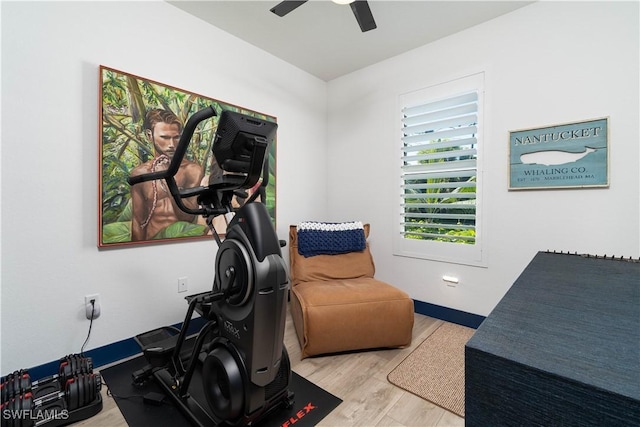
{"type": "Point", "coordinates": [435, 369]}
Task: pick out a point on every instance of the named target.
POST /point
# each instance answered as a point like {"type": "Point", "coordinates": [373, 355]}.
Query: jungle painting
{"type": "Point", "coordinates": [141, 121]}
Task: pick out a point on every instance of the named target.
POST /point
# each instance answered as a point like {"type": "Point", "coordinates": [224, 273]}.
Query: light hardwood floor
{"type": "Point", "coordinates": [359, 379]}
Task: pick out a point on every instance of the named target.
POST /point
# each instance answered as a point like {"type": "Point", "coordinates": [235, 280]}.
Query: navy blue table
{"type": "Point", "coordinates": [561, 348]}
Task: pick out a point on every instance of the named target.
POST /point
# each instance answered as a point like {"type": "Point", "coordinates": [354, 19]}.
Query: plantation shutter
{"type": "Point", "coordinates": [439, 169]}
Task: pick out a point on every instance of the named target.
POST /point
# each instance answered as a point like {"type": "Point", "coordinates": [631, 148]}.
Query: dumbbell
{"type": "Point", "coordinates": [15, 384]}
{"type": "Point", "coordinates": [19, 382]}
{"type": "Point", "coordinates": [73, 365]}
{"type": "Point", "coordinates": [16, 410]}
{"type": "Point", "coordinates": [82, 389]}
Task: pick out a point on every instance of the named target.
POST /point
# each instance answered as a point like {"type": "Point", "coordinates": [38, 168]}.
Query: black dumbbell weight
{"type": "Point", "coordinates": [4, 406]}
{"type": "Point", "coordinates": [19, 411]}
{"type": "Point", "coordinates": [82, 387]}
{"type": "Point", "coordinates": [95, 384]}
{"type": "Point", "coordinates": [6, 387]}
{"type": "Point", "coordinates": [3, 384]}
{"type": "Point", "coordinates": [71, 394]}
{"type": "Point", "coordinates": [11, 413]}
{"type": "Point", "coordinates": [73, 365]}
{"type": "Point", "coordinates": [64, 371]}
{"type": "Point", "coordinates": [67, 368]}
{"type": "Point", "coordinates": [27, 406]}
{"type": "Point", "coordinates": [15, 384]}
{"type": "Point", "coordinates": [22, 384]}
{"type": "Point", "coordinates": [91, 385]}
{"type": "Point", "coordinates": [82, 390]}
{"type": "Point", "coordinates": [77, 393]}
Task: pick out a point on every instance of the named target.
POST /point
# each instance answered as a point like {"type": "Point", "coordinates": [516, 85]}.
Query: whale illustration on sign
{"type": "Point", "coordinates": [554, 157]}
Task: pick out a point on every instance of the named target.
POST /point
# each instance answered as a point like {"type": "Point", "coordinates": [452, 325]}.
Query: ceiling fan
{"type": "Point", "coordinates": [360, 9]}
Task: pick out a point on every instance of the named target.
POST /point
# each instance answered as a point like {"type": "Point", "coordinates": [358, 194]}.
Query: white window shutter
{"type": "Point", "coordinates": [439, 168]}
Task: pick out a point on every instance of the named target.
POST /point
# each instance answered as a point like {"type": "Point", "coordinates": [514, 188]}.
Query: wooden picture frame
{"type": "Point", "coordinates": [128, 141]}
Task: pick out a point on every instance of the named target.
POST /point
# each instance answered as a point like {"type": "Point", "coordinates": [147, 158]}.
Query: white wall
{"type": "Point", "coordinates": [51, 52]}
{"type": "Point", "coordinates": [547, 63]}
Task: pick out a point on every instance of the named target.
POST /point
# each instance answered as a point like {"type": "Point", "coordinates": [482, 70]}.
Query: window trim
{"type": "Point", "coordinates": [456, 253]}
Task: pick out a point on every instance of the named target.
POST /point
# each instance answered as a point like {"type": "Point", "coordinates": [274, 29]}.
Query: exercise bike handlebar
{"type": "Point", "coordinates": [169, 174]}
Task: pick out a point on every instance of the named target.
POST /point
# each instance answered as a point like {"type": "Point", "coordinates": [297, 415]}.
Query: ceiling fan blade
{"type": "Point", "coordinates": [285, 7]}
{"type": "Point", "coordinates": [363, 14]}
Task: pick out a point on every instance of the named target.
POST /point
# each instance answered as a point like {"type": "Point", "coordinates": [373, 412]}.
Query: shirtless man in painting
{"type": "Point", "coordinates": [153, 207]}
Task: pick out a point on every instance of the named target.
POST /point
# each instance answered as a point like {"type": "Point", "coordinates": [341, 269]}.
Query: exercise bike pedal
{"type": "Point", "coordinates": [158, 345]}
{"type": "Point", "coordinates": [140, 377]}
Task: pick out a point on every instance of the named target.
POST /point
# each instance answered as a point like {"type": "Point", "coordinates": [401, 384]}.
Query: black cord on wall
{"type": "Point", "coordinates": [93, 308]}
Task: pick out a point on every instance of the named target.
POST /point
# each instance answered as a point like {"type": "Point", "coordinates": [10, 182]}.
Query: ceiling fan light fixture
{"type": "Point", "coordinates": [360, 9]}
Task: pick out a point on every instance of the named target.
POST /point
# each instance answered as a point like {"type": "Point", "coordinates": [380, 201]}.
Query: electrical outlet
{"type": "Point", "coordinates": [450, 281]}
{"type": "Point", "coordinates": [92, 309]}
{"type": "Point", "coordinates": [183, 284]}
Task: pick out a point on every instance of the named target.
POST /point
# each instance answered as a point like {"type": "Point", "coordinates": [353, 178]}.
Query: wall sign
{"type": "Point", "coordinates": [572, 155]}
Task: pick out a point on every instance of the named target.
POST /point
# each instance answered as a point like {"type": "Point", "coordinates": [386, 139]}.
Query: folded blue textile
{"type": "Point", "coordinates": [329, 238]}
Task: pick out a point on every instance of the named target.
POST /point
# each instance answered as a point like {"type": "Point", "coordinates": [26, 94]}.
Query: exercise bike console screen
{"type": "Point", "coordinates": [235, 137]}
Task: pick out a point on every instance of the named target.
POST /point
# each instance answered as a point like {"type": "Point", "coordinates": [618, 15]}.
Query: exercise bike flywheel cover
{"type": "Point", "coordinates": [223, 384]}
{"type": "Point", "coordinates": [233, 260]}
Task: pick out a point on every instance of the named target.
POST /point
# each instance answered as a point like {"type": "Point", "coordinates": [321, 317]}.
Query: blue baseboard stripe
{"type": "Point", "coordinates": [448, 314]}
{"type": "Point", "coordinates": [128, 347]}
{"type": "Point", "coordinates": [106, 354]}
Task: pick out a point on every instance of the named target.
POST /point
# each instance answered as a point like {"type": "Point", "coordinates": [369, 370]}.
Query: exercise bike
{"type": "Point", "coordinates": [236, 370]}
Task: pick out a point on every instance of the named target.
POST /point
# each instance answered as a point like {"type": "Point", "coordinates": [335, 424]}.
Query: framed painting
{"type": "Point", "coordinates": [141, 121]}
{"type": "Point", "coordinates": [570, 155]}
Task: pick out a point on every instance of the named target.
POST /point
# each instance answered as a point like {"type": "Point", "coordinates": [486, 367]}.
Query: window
{"type": "Point", "coordinates": [439, 197]}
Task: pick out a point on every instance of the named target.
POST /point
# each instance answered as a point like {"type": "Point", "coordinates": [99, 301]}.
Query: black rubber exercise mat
{"type": "Point", "coordinates": [312, 403]}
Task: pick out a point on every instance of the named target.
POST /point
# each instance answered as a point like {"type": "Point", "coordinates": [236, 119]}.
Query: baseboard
{"type": "Point", "coordinates": [126, 348]}
{"type": "Point", "coordinates": [448, 314]}
{"type": "Point", "coordinates": [107, 354]}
